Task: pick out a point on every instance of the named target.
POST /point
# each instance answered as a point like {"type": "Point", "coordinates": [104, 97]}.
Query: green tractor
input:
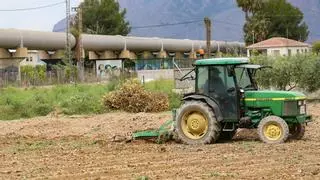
{"type": "Point", "coordinates": [226, 98]}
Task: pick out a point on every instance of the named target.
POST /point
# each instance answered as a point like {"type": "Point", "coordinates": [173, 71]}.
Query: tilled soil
{"type": "Point", "coordinates": [83, 147]}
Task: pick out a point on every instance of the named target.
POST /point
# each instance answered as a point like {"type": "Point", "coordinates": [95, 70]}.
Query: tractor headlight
{"type": "Point", "coordinates": [303, 109]}
{"type": "Point", "coordinates": [302, 106]}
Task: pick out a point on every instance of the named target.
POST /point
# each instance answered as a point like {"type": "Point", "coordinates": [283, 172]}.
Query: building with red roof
{"type": "Point", "coordinates": [279, 46]}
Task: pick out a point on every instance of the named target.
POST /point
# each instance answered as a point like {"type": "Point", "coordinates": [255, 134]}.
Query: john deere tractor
{"type": "Point", "coordinates": [226, 98]}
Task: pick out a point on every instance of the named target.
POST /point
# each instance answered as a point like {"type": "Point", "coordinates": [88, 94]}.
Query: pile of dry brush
{"type": "Point", "coordinates": [132, 97]}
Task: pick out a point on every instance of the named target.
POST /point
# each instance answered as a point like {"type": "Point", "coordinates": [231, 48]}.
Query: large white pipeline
{"type": "Point", "coordinates": [39, 40]}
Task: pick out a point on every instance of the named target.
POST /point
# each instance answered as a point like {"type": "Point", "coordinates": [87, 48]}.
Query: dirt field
{"type": "Point", "coordinates": [82, 148]}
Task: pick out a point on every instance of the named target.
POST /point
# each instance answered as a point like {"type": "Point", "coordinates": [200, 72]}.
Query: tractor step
{"type": "Point", "coordinates": [228, 127]}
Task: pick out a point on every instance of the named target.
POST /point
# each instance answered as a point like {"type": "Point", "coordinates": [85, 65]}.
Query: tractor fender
{"type": "Point", "coordinates": [211, 102]}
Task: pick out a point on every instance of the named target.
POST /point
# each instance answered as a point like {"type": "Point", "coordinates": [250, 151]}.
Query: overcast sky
{"type": "Point", "coordinates": [40, 19]}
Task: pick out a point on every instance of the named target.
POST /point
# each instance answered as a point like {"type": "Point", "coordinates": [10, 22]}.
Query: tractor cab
{"type": "Point", "coordinates": [223, 80]}
{"type": "Point", "coordinates": [227, 97]}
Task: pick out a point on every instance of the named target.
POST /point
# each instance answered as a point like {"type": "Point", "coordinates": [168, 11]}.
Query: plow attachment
{"type": "Point", "coordinates": [163, 134]}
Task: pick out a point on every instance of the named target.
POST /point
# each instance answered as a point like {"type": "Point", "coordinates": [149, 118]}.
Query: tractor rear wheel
{"type": "Point", "coordinates": [196, 123]}
{"type": "Point", "coordinates": [297, 131]}
{"type": "Point", "coordinates": [273, 130]}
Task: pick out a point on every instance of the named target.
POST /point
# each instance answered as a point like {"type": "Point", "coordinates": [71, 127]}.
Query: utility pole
{"type": "Point", "coordinates": [207, 23]}
{"type": "Point", "coordinates": [68, 47]}
{"type": "Point", "coordinates": [79, 47]}
{"type": "Point", "coordinates": [80, 60]}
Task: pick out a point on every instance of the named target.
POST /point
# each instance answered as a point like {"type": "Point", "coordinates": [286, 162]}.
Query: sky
{"type": "Point", "coordinates": [39, 19]}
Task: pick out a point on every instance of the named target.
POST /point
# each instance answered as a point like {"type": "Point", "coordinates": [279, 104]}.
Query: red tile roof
{"type": "Point", "coordinates": [277, 42]}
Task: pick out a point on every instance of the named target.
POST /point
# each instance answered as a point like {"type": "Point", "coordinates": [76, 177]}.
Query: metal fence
{"type": "Point", "coordinates": [155, 64]}
{"type": "Point", "coordinates": [57, 77]}
{"type": "Point", "coordinates": [13, 76]}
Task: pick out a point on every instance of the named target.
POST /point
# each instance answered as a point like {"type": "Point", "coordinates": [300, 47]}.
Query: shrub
{"type": "Point", "coordinates": [316, 47]}
{"type": "Point", "coordinates": [132, 97]}
{"type": "Point", "coordinates": [33, 75]}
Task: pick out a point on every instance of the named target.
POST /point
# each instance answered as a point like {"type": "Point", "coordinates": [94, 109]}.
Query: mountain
{"type": "Point", "coordinates": [227, 18]}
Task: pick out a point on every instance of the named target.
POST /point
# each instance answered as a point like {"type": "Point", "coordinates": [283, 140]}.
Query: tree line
{"type": "Point", "coordinates": [287, 73]}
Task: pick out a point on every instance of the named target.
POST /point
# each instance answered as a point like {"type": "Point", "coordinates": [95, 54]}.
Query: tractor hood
{"type": "Point", "coordinates": [273, 95]}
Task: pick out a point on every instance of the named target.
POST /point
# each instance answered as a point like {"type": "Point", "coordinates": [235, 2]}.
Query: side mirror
{"type": "Point", "coordinates": [230, 90]}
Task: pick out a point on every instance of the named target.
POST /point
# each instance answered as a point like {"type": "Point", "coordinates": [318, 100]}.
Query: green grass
{"type": "Point", "coordinates": [165, 86]}
{"type": "Point", "coordinates": [17, 103]}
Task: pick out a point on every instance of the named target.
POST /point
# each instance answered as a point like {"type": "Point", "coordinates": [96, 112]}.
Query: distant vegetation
{"type": "Point", "coordinates": [289, 72]}
{"type": "Point", "coordinates": [316, 47]}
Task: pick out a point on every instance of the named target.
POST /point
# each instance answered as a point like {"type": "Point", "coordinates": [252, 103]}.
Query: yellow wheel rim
{"type": "Point", "coordinates": [272, 131]}
{"type": "Point", "coordinates": [194, 125]}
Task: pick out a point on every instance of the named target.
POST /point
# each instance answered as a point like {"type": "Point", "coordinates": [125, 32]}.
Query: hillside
{"type": "Point", "coordinates": [227, 18]}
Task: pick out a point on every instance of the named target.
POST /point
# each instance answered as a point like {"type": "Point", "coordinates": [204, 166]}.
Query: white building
{"type": "Point", "coordinates": [33, 59]}
{"type": "Point", "coordinates": [278, 46]}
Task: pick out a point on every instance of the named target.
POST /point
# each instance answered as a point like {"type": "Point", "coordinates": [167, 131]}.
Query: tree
{"type": "Point", "coordinates": [271, 18]}
{"type": "Point", "coordinates": [250, 6]}
{"type": "Point", "coordinates": [316, 47]}
{"type": "Point", "coordinates": [288, 73]}
{"type": "Point", "coordinates": [104, 17]}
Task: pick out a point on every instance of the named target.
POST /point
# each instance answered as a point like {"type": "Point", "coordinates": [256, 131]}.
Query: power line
{"type": "Point", "coordinates": [223, 22]}
{"type": "Point", "coordinates": [163, 25]}
{"type": "Point", "coordinates": [33, 8]}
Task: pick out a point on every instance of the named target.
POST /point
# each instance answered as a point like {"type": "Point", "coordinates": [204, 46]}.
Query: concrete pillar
{"type": "Point", "coordinates": [108, 55]}
{"type": "Point", "coordinates": [193, 55]}
{"type": "Point", "coordinates": [93, 55]}
{"type": "Point", "coordinates": [43, 55]}
{"type": "Point", "coordinates": [59, 54]}
{"type": "Point", "coordinates": [4, 53]}
{"type": "Point", "coordinates": [162, 54]}
{"type": "Point", "coordinates": [125, 54]}
{"type": "Point", "coordinates": [147, 55]}
{"type": "Point", "coordinates": [133, 55]}
{"type": "Point", "coordinates": [179, 55]}
{"type": "Point", "coordinates": [21, 52]}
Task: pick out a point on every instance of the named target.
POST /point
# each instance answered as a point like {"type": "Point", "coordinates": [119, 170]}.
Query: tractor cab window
{"type": "Point", "coordinates": [202, 79]}
{"type": "Point", "coordinates": [243, 78]}
{"type": "Point", "coordinates": [214, 80]}
{"type": "Point", "coordinates": [219, 80]}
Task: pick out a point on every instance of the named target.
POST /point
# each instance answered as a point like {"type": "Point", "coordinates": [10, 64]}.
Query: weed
{"type": "Point", "coordinates": [218, 174]}
{"type": "Point", "coordinates": [33, 146]}
{"type": "Point", "coordinates": [143, 178]}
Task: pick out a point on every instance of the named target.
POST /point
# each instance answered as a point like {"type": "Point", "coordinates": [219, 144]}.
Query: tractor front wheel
{"type": "Point", "coordinates": [297, 131]}
{"type": "Point", "coordinates": [196, 123]}
{"type": "Point", "coordinates": [273, 130]}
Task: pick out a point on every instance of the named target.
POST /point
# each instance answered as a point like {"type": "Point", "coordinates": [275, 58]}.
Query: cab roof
{"type": "Point", "coordinates": [221, 61]}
